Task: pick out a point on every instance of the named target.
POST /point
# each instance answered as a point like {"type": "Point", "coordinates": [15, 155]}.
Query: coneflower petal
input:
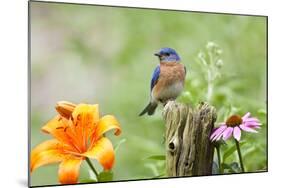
{"type": "Point", "coordinates": [217, 133]}
{"type": "Point", "coordinates": [251, 119]}
{"type": "Point", "coordinates": [247, 129]}
{"type": "Point", "coordinates": [227, 133]}
{"type": "Point", "coordinates": [237, 133]}
{"type": "Point", "coordinates": [247, 115]}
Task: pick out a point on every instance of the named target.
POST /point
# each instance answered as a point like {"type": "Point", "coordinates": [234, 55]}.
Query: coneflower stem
{"type": "Point", "coordinates": [239, 155]}
{"type": "Point", "coordinates": [92, 167]}
{"type": "Point", "coordinates": [219, 158]}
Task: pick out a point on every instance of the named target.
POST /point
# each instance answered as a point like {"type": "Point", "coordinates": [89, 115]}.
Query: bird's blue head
{"type": "Point", "coordinates": [168, 55]}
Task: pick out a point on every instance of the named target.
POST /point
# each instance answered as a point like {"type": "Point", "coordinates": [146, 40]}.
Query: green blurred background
{"type": "Point", "coordinates": [104, 55]}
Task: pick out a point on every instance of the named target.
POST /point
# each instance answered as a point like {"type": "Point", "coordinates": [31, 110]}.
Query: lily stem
{"type": "Point", "coordinates": [92, 167]}
{"type": "Point", "coordinates": [239, 155]}
{"type": "Point", "coordinates": [219, 159]}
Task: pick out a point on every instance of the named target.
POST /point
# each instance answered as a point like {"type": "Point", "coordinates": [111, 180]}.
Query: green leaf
{"type": "Point", "coordinates": [231, 150]}
{"type": "Point", "coordinates": [235, 167]}
{"type": "Point", "coordinates": [105, 176]}
{"type": "Point", "coordinates": [92, 175]}
{"type": "Point", "coordinates": [119, 144]}
{"type": "Point", "coordinates": [160, 175]}
{"type": "Point", "coordinates": [215, 168]}
{"type": "Point", "coordinates": [262, 111]}
{"type": "Point", "coordinates": [156, 157]}
{"type": "Point", "coordinates": [88, 180]}
{"type": "Point", "coordinates": [232, 168]}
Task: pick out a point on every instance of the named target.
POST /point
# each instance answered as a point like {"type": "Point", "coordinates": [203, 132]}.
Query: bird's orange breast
{"type": "Point", "coordinates": [170, 74]}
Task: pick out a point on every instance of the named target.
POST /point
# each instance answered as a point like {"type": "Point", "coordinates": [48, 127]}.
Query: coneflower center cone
{"type": "Point", "coordinates": [233, 121]}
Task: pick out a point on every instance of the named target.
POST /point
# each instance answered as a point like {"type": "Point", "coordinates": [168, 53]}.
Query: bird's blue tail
{"type": "Point", "coordinates": [149, 109]}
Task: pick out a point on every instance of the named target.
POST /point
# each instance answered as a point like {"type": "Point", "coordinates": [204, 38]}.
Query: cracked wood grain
{"type": "Point", "coordinates": [189, 151]}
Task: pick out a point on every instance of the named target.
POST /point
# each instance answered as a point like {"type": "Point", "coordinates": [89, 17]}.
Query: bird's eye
{"type": "Point", "coordinates": [167, 54]}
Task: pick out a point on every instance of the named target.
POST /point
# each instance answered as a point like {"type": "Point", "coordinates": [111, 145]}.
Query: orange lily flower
{"type": "Point", "coordinates": [78, 133]}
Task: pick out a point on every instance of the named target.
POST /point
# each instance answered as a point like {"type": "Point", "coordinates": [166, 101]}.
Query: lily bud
{"type": "Point", "coordinates": [65, 108]}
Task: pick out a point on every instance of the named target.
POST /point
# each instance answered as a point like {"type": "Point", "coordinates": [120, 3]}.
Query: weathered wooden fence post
{"type": "Point", "coordinates": [189, 150]}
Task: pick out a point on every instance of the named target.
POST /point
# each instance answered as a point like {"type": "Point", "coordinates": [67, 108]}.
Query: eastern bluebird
{"type": "Point", "coordinates": [167, 80]}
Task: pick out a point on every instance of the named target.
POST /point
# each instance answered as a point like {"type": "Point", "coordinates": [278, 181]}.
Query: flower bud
{"type": "Point", "coordinates": [65, 108]}
{"type": "Point", "coordinates": [219, 63]}
{"type": "Point", "coordinates": [211, 45]}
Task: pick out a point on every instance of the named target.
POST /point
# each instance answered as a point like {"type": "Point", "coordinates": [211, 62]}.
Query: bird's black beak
{"type": "Point", "coordinates": [157, 54]}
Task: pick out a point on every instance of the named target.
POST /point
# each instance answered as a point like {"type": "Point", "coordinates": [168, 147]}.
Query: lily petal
{"type": "Point", "coordinates": [102, 151]}
{"type": "Point", "coordinates": [237, 133]}
{"type": "Point", "coordinates": [69, 170]}
{"type": "Point", "coordinates": [85, 118]}
{"type": "Point", "coordinates": [59, 127]}
{"type": "Point", "coordinates": [86, 113]}
{"type": "Point", "coordinates": [45, 153]}
{"type": "Point", "coordinates": [52, 125]}
{"type": "Point", "coordinates": [107, 123]}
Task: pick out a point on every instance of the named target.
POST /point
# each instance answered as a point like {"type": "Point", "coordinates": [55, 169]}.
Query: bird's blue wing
{"type": "Point", "coordinates": [155, 77]}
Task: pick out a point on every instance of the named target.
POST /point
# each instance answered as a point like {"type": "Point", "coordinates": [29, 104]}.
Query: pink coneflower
{"type": "Point", "coordinates": [233, 126]}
